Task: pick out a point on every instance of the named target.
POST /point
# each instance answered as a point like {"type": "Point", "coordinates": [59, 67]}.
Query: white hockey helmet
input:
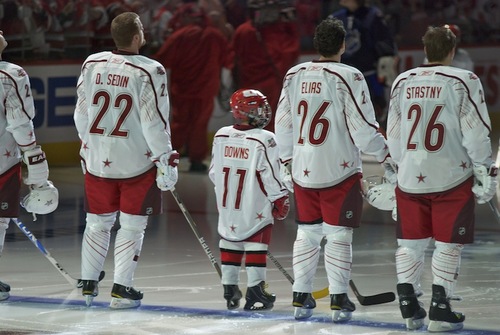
{"type": "Point", "coordinates": [41, 199]}
{"type": "Point", "coordinates": [379, 193]}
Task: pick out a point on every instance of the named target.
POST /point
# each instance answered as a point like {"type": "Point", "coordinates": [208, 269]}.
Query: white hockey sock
{"type": "Point", "coordinates": [95, 246]}
{"type": "Point", "coordinates": [128, 245]}
{"type": "Point", "coordinates": [306, 251]}
{"type": "Point", "coordinates": [4, 224]}
{"type": "Point", "coordinates": [410, 257]}
{"type": "Point", "coordinates": [255, 275]}
{"type": "Point", "coordinates": [230, 274]}
{"type": "Point", "coordinates": [338, 257]}
{"type": "Point", "coordinates": [445, 265]}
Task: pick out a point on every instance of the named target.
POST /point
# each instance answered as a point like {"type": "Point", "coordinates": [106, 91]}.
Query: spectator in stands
{"type": "Point", "coordinates": [369, 48]}
{"type": "Point", "coordinates": [195, 54]}
{"type": "Point", "coordinates": [265, 47]}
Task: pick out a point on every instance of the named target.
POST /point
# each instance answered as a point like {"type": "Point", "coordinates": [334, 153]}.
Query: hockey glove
{"type": "Point", "coordinates": [38, 169]}
{"type": "Point", "coordinates": [485, 184]}
{"type": "Point", "coordinates": [390, 174]}
{"type": "Point", "coordinates": [286, 176]}
{"type": "Point", "coordinates": [167, 175]}
{"type": "Point", "coordinates": [281, 207]}
{"type": "Point", "coordinates": [42, 199]}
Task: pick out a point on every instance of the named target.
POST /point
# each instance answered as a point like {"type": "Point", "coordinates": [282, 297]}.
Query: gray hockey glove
{"type": "Point", "coordinates": [167, 175]}
{"type": "Point", "coordinates": [485, 183]}
{"type": "Point", "coordinates": [38, 169]}
{"type": "Point", "coordinates": [286, 176]}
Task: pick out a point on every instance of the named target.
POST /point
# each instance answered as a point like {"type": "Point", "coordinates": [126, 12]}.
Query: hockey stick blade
{"type": "Point", "coordinates": [369, 300]}
{"type": "Point", "coordinates": [79, 283]}
{"type": "Point", "coordinates": [316, 294]}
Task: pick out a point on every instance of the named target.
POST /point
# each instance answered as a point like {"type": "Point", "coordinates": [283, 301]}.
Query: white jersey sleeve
{"type": "Point", "coordinates": [324, 120]}
{"type": "Point", "coordinates": [122, 114]}
{"type": "Point", "coordinates": [438, 128]}
{"type": "Point", "coordinates": [245, 172]}
{"type": "Point", "coordinates": [16, 113]}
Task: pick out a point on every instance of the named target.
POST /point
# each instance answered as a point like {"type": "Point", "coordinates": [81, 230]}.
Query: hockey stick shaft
{"type": "Point", "coordinates": [316, 294]}
{"type": "Point", "coordinates": [44, 251]}
{"type": "Point", "coordinates": [194, 228]}
{"type": "Point", "coordinates": [495, 210]}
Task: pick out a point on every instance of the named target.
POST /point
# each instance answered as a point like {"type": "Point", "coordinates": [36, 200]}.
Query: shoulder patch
{"type": "Point", "coordinates": [21, 73]}
{"type": "Point", "coordinates": [358, 76]}
{"type": "Point", "coordinates": [472, 76]}
{"type": "Point", "coordinates": [271, 143]}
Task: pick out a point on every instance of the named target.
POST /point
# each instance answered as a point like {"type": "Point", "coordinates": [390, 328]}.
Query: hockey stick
{"type": "Point", "coordinates": [200, 238]}
{"type": "Point", "coordinates": [495, 210]}
{"type": "Point", "coordinates": [72, 281]}
{"type": "Point", "coordinates": [376, 299]}
{"type": "Point", "coordinates": [316, 294]}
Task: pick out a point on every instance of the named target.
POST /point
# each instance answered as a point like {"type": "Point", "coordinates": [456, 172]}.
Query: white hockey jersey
{"type": "Point", "coordinates": [245, 172]}
{"type": "Point", "coordinates": [325, 119]}
{"type": "Point", "coordinates": [16, 113]}
{"type": "Point", "coordinates": [438, 127]}
{"type": "Point", "coordinates": [122, 114]}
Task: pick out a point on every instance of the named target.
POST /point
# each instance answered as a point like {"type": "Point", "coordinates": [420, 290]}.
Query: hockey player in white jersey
{"type": "Point", "coordinates": [18, 143]}
{"type": "Point", "coordinates": [325, 119]}
{"type": "Point", "coordinates": [245, 172]}
{"type": "Point", "coordinates": [122, 116]}
{"type": "Point", "coordinates": [438, 134]}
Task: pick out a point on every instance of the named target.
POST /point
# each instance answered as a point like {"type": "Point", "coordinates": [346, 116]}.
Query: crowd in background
{"type": "Point", "coordinates": [57, 29]}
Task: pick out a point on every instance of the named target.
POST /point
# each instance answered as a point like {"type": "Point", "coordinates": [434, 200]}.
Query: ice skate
{"type": "Point", "coordinates": [411, 309]}
{"type": "Point", "coordinates": [442, 318]}
{"type": "Point", "coordinates": [341, 307]}
{"type": "Point", "coordinates": [90, 290]}
{"type": "Point", "coordinates": [125, 297]}
{"type": "Point", "coordinates": [4, 291]}
{"type": "Point", "coordinates": [304, 304]}
{"type": "Point", "coordinates": [258, 299]}
{"type": "Point", "coordinates": [232, 294]}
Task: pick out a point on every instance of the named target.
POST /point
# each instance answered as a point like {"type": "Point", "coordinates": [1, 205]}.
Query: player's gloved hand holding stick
{"type": "Point", "coordinates": [167, 174]}
{"type": "Point", "coordinates": [485, 183]}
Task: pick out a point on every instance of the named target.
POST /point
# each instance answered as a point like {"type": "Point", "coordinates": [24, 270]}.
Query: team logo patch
{"type": "Point", "coordinates": [461, 231]}
{"type": "Point", "coordinates": [115, 60]}
{"type": "Point", "coordinates": [271, 143]}
{"type": "Point", "coordinates": [358, 77]}
{"type": "Point", "coordinates": [314, 68]}
{"type": "Point", "coordinates": [472, 76]}
{"type": "Point", "coordinates": [4, 206]}
{"type": "Point", "coordinates": [21, 73]}
{"type": "Point", "coordinates": [160, 70]}
{"type": "Point", "coordinates": [349, 214]}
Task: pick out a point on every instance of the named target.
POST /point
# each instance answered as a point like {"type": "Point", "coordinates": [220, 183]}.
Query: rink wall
{"type": "Point", "coordinates": [54, 91]}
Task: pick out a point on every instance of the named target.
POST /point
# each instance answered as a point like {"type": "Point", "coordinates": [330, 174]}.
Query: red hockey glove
{"type": "Point", "coordinates": [281, 207]}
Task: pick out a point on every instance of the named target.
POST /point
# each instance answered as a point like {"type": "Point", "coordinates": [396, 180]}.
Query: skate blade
{"type": "Point", "coordinates": [233, 304]}
{"type": "Point", "coordinates": [121, 303]}
{"type": "Point", "coordinates": [443, 326]}
{"type": "Point", "coordinates": [301, 313]}
{"type": "Point", "coordinates": [413, 324]}
{"type": "Point", "coordinates": [4, 296]}
{"type": "Point", "coordinates": [258, 307]}
{"type": "Point", "coordinates": [341, 315]}
{"type": "Point", "coordinates": [88, 300]}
